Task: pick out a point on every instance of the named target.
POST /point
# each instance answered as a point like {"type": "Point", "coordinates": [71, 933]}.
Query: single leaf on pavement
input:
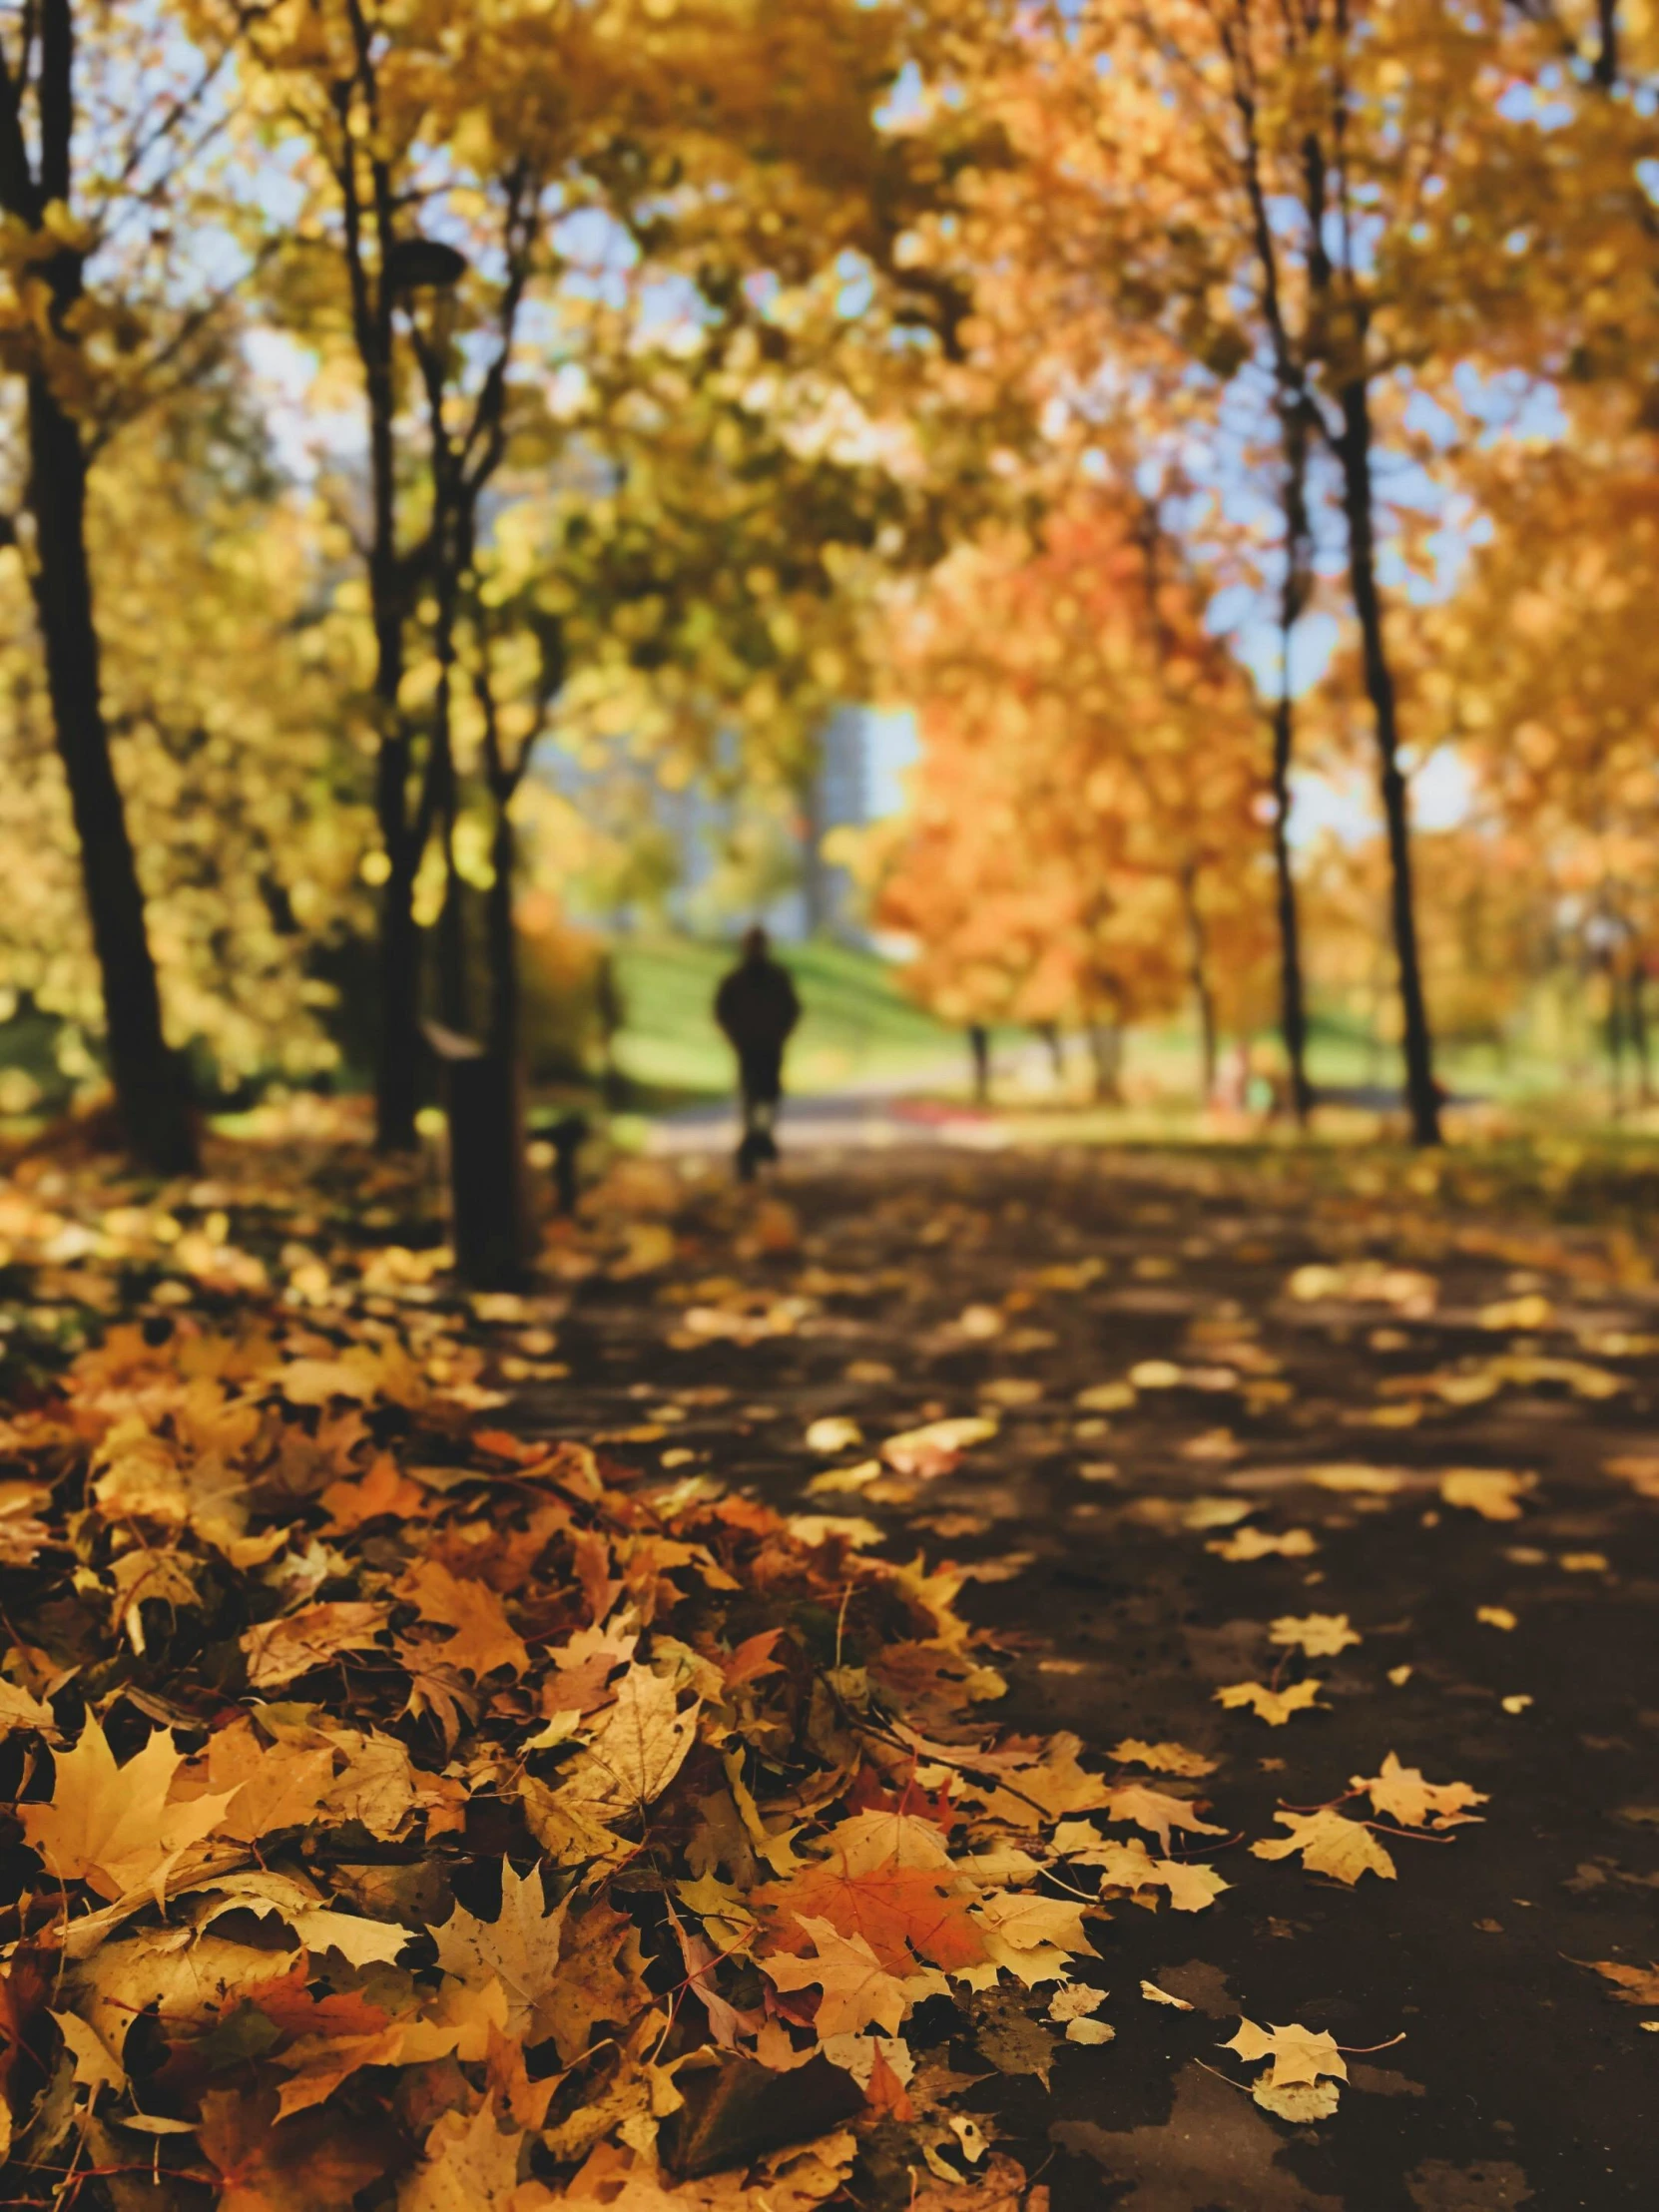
{"type": "Point", "coordinates": [1632, 1985]}
{"type": "Point", "coordinates": [1493, 1492]}
{"type": "Point", "coordinates": [1342, 1849]}
{"type": "Point", "coordinates": [1404, 1796]}
{"type": "Point", "coordinates": [1261, 1544]}
{"type": "Point", "coordinates": [1130, 1866]}
{"type": "Point", "coordinates": [1316, 1635]}
{"type": "Point", "coordinates": [1269, 1705]}
{"type": "Point", "coordinates": [1156, 1812]}
{"type": "Point", "coordinates": [1165, 1758]}
{"type": "Point", "coordinates": [1300, 2084]}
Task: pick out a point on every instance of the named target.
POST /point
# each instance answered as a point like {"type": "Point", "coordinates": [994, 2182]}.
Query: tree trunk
{"type": "Point", "coordinates": [493, 1232]}
{"type": "Point", "coordinates": [1421, 1091]}
{"type": "Point", "coordinates": [1050, 1032]}
{"type": "Point", "coordinates": [399, 1057]}
{"type": "Point", "coordinates": [1106, 1050]}
{"type": "Point", "coordinates": [150, 1081]}
{"type": "Point", "coordinates": [1636, 1009]}
{"type": "Point", "coordinates": [1198, 974]}
{"type": "Point", "coordinates": [1292, 1007]}
{"type": "Point", "coordinates": [979, 1047]}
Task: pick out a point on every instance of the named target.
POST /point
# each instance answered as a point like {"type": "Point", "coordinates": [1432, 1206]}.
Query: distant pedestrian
{"type": "Point", "coordinates": [757, 1008]}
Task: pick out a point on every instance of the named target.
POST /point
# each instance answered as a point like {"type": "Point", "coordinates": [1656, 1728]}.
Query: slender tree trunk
{"type": "Point", "coordinates": [1198, 970]}
{"type": "Point", "coordinates": [493, 1230]}
{"type": "Point", "coordinates": [400, 1053]}
{"type": "Point", "coordinates": [1421, 1092]}
{"type": "Point", "coordinates": [150, 1082]}
{"type": "Point", "coordinates": [1050, 1032]}
{"type": "Point", "coordinates": [1615, 1035]}
{"type": "Point", "coordinates": [979, 1049]}
{"type": "Point", "coordinates": [486, 1127]}
{"type": "Point", "coordinates": [454, 996]}
{"type": "Point", "coordinates": [1636, 1012]}
{"type": "Point", "coordinates": [1106, 1050]}
{"type": "Point", "coordinates": [1293, 1008]}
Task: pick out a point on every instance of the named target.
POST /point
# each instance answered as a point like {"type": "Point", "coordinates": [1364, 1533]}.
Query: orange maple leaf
{"type": "Point", "coordinates": [484, 1638]}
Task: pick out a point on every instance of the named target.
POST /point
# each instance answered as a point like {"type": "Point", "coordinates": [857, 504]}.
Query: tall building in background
{"type": "Point", "coordinates": [839, 798]}
{"type": "Point", "coordinates": [729, 858]}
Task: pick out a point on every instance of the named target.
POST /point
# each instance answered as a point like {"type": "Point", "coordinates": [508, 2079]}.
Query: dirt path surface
{"type": "Point", "coordinates": [1252, 1336]}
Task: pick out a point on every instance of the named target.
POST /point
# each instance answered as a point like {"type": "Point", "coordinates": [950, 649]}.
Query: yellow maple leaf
{"type": "Point", "coordinates": [468, 2163]}
{"type": "Point", "coordinates": [1404, 1796]}
{"type": "Point", "coordinates": [519, 1948]}
{"type": "Point", "coordinates": [1130, 1867]}
{"type": "Point", "coordinates": [1260, 1543]}
{"type": "Point", "coordinates": [280, 1651]}
{"type": "Point", "coordinates": [1300, 2084]}
{"type": "Point", "coordinates": [638, 1749]}
{"type": "Point", "coordinates": [1162, 1758]}
{"type": "Point", "coordinates": [1156, 1812]}
{"type": "Point", "coordinates": [1329, 1844]}
{"type": "Point", "coordinates": [857, 1987]}
{"type": "Point", "coordinates": [1317, 1635]}
{"type": "Point", "coordinates": [1493, 1492]}
{"type": "Point", "coordinates": [1269, 1705]}
{"type": "Point", "coordinates": [117, 1828]}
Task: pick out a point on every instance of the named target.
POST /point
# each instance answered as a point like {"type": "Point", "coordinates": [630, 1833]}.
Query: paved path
{"type": "Point", "coordinates": [907, 1286]}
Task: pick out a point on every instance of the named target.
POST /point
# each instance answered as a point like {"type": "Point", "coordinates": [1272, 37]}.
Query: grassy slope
{"type": "Point", "coordinates": [857, 1026]}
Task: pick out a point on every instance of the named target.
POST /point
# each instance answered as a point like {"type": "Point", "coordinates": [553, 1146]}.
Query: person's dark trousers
{"type": "Point", "coordinates": [761, 1083]}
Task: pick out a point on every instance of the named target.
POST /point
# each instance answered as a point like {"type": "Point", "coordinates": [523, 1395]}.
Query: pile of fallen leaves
{"type": "Point", "coordinates": [400, 1811]}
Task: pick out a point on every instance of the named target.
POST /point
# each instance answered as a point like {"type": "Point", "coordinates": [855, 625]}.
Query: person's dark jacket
{"type": "Point", "coordinates": [757, 1008]}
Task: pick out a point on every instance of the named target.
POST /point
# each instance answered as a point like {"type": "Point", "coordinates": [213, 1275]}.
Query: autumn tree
{"type": "Point", "coordinates": [1085, 839]}
{"type": "Point", "coordinates": [100, 114]}
{"type": "Point", "coordinates": [222, 668]}
{"type": "Point", "coordinates": [1327, 204]}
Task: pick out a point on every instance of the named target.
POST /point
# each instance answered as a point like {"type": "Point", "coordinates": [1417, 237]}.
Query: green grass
{"type": "Point", "coordinates": [856, 1025]}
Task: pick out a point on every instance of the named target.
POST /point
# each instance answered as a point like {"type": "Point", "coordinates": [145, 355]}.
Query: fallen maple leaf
{"type": "Point", "coordinates": [1156, 1812]}
{"type": "Point", "coordinates": [936, 1449]}
{"type": "Point", "coordinates": [1154, 1996]}
{"type": "Point", "coordinates": [281, 1651]}
{"type": "Point", "coordinates": [1162, 1758]}
{"type": "Point", "coordinates": [1632, 1985]}
{"type": "Point", "coordinates": [1404, 1796]}
{"type": "Point", "coordinates": [856, 1988]}
{"type": "Point", "coordinates": [315, 2163]}
{"type": "Point", "coordinates": [1329, 1844]}
{"type": "Point", "coordinates": [1317, 1635]}
{"type": "Point", "coordinates": [1130, 1865]}
{"type": "Point", "coordinates": [901, 1899]}
{"type": "Point", "coordinates": [117, 1828]}
{"type": "Point", "coordinates": [484, 1640]}
{"type": "Point", "coordinates": [1260, 1543]}
{"type": "Point", "coordinates": [519, 1949]}
{"type": "Point", "coordinates": [1300, 2084]}
{"type": "Point", "coordinates": [1493, 1492]}
{"type": "Point", "coordinates": [1269, 1705]}
{"type": "Point", "coordinates": [639, 1747]}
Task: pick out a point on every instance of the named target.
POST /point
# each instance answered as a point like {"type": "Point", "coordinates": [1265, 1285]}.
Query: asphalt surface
{"type": "Point", "coordinates": [1520, 2079]}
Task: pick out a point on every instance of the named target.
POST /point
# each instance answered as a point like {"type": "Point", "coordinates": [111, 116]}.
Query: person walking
{"type": "Point", "coordinates": [757, 1008]}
